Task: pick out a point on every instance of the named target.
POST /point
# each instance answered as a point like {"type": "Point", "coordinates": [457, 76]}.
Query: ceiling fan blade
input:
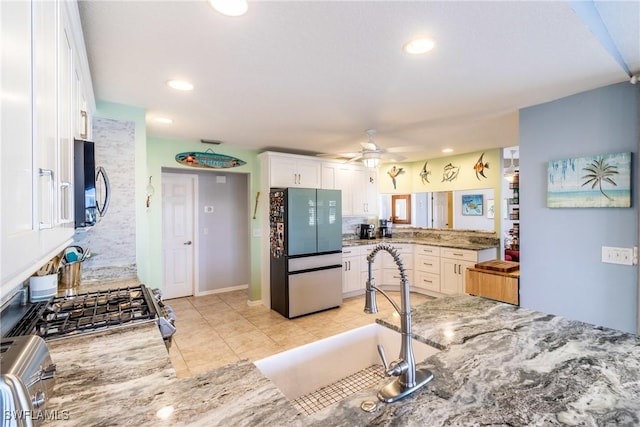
{"type": "Point", "coordinates": [355, 159]}
{"type": "Point", "coordinates": [393, 157]}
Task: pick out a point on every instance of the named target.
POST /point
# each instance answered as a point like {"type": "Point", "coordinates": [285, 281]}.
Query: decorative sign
{"type": "Point", "coordinates": [602, 181]}
{"type": "Point", "coordinates": [208, 159]}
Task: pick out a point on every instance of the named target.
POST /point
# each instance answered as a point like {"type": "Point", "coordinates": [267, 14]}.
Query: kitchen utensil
{"type": "Point", "coordinates": [46, 269]}
{"type": "Point", "coordinates": [86, 255]}
{"type": "Point", "coordinates": [73, 253]}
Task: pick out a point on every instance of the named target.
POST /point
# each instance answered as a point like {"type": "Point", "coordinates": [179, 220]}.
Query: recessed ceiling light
{"type": "Point", "coordinates": [418, 46]}
{"type": "Point", "coordinates": [447, 150]}
{"type": "Point", "coordinates": [166, 120]}
{"type": "Point", "coordinates": [180, 85]}
{"type": "Point", "coordinates": [230, 7]}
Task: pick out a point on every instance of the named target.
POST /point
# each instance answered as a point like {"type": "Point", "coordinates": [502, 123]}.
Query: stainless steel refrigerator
{"type": "Point", "coordinates": [306, 250]}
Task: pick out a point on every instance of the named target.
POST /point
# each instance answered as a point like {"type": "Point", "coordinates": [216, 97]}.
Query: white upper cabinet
{"type": "Point", "coordinates": [40, 56]}
{"type": "Point", "coordinates": [358, 185]}
{"type": "Point", "coordinates": [19, 172]}
{"type": "Point", "coordinates": [293, 171]}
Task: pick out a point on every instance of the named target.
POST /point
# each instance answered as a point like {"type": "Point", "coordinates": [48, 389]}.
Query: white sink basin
{"type": "Point", "coordinates": [304, 369]}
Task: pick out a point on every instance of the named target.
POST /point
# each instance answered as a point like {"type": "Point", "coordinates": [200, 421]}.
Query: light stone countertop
{"type": "Point", "coordinates": [499, 365]}
{"type": "Point", "coordinates": [422, 241]}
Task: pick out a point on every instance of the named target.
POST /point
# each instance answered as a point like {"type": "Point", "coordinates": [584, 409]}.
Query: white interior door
{"type": "Point", "coordinates": [178, 234]}
{"type": "Point", "coordinates": [440, 209]}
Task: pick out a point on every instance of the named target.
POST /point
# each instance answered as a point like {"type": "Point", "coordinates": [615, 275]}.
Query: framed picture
{"type": "Point", "coordinates": [472, 204]}
{"type": "Point", "coordinates": [602, 181]}
{"type": "Point", "coordinates": [491, 209]}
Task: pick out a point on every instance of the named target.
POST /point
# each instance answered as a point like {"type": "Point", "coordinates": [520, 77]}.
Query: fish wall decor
{"type": "Point", "coordinates": [424, 174]}
{"type": "Point", "coordinates": [450, 173]}
{"type": "Point", "coordinates": [208, 159]}
{"type": "Point", "coordinates": [393, 173]}
{"type": "Point", "coordinates": [480, 166]}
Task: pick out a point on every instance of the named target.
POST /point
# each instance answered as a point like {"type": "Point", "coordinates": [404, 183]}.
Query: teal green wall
{"type": "Point", "coordinates": [151, 155]}
{"type": "Point", "coordinates": [161, 153]}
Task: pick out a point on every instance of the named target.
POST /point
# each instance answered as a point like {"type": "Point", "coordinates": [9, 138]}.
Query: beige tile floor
{"type": "Point", "coordinates": [216, 330]}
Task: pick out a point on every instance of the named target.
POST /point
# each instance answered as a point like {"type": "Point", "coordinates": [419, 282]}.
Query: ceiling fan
{"type": "Point", "coordinates": [371, 153]}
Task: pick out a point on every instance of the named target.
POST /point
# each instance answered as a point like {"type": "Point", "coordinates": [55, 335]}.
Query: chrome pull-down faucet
{"type": "Point", "coordinates": [409, 379]}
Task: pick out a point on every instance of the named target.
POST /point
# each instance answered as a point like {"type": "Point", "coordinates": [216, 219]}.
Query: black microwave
{"type": "Point", "coordinates": [87, 196]}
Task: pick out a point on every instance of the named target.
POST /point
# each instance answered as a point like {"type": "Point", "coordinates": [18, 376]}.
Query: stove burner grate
{"type": "Point", "coordinates": [93, 312]}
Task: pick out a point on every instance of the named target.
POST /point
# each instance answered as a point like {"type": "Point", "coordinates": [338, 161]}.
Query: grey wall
{"type": "Point", "coordinates": [224, 255]}
{"type": "Point", "coordinates": [112, 240]}
{"type": "Point", "coordinates": [561, 271]}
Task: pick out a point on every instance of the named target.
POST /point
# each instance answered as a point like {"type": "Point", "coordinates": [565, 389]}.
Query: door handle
{"type": "Point", "coordinates": [187, 243]}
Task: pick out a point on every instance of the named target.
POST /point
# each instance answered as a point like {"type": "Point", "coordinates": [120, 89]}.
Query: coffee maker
{"type": "Point", "coordinates": [385, 228]}
{"type": "Point", "coordinates": [367, 231]}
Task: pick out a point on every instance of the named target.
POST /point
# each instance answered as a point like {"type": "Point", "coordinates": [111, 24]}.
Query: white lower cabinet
{"type": "Point", "coordinates": [454, 264]}
{"type": "Point", "coordinates": [390, 271]}
{"type": "Point", "coordinates": [430, 269]}
{"type": "Point", "coordinates": [351, 257]}
{"type": "Point", "coordinates": [427, 267]}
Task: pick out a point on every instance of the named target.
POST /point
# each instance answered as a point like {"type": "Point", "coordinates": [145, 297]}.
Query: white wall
{"type": "Point", "coordinates": [561, 272]}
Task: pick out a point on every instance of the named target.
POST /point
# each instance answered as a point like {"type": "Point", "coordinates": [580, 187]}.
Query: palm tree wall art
{"type": "Point", "coordinates": [602, 181]}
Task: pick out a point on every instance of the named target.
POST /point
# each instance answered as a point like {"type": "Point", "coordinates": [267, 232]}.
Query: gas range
{"type": "Point", "coordinates": [92, 312]}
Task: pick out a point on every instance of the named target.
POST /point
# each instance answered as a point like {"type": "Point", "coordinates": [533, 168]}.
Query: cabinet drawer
{"type": "Point", "coordinates": [428, 264]}
{"type": "Point", "coordinates": [392, 277]}
{"type": "Point", "coordinates": [427, 250]}
{"type": "Point", "coordinates": [389, 263]}
{"type": "Point", "coordinates": [352, 250]}
{"type": "Point", "coordinates": [428, 281]}
{"type": "Point", "coordinates": [459, 254]}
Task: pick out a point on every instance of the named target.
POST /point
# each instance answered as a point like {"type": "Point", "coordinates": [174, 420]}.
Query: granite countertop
{"type": "Point", "coordinates": [421, 241]}
{"type": "Point", "coordinates": [499, 365]}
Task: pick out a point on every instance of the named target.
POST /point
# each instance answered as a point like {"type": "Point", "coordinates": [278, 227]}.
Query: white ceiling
{"type": "Point", "coordinates": [314, 75]}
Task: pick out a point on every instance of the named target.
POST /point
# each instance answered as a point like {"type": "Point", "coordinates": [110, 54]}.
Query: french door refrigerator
{"type": "Point", "coordinates": [306, 250]}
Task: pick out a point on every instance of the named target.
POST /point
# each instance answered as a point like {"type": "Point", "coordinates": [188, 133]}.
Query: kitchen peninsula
{"type": "Point", "coordinates": [498, 365]}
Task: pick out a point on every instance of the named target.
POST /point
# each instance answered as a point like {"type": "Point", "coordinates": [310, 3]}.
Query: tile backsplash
{"type": "Point", "coordinates": [112, 240]}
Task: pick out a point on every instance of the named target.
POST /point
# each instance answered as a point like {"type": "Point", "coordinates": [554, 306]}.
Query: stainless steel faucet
{"type": "Point", "coordinates": [409, 379]}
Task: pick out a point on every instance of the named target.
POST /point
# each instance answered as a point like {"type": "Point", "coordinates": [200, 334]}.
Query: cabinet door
{"type": "Point", "coordinates": [358, 191]}
{"type": "Point", "coordinates": [328, 176]}
{"type": "Point", "coordinates": [287, 171]}
{"type": "Point", "coordinates": [370, 185]}
{"type": "Point", "coordinates": [344, 183]}
{"type": "Point", "coordinates": [308, 173]}
{"type": "Point", "coordinates": [282, 172]}
{"type": "Point", "coordinates": [449, 276]}
{"type": "Point", "coordinates": [20, 237]}
{"type": "Point", "coordinates": [351, 274]}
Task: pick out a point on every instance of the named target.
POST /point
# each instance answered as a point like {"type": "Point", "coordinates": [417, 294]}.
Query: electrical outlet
{"type": "Point", "coordinates": [622, 256]}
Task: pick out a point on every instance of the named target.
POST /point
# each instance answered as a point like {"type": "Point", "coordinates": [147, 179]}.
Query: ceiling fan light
{"type": "Point", "coordinates": [371, 159]}
{"type": "Point", "coordinates": [371, 163]}
{"type": "Point", "coordinates": [230, 7]}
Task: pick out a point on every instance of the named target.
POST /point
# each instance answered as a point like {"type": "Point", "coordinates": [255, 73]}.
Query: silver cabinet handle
{"type": "Point", "coordinates": [187, 243]}
{"type": "Point", "coordinates": [101, 174]}
{"type": "Point", "coordinates": [65, 202]}
{"type": "Point", "coordinates": [49, 173]}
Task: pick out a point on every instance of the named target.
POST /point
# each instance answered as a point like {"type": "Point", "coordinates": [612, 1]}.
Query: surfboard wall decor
{"type": "Point", "coordinates": [208, 159]}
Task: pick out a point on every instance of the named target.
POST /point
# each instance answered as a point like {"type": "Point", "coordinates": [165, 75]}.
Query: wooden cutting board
{"type": "Point", "coordinates": [498, 265]}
